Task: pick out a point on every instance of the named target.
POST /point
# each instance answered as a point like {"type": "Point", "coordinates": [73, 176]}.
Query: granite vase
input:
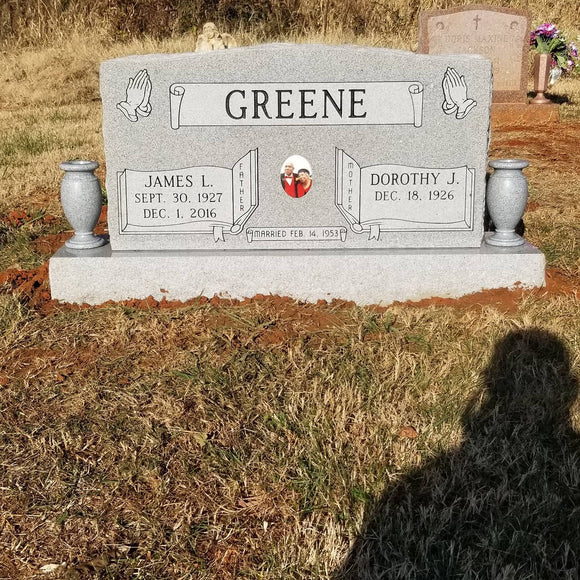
{"type": "Point", "coordinates": [541, 78]}
{"type": "Point", "coordinates": [507, 195]}
{"type": "Point", "coordinates": [80, 196]}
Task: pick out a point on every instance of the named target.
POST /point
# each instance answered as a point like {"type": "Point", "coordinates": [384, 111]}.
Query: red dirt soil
{"type": "Point", "coordinates": [17, 218]}
{"type": "Point", "coordinates": [32, 288]}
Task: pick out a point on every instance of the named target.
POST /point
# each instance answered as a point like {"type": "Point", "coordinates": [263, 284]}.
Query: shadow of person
{"type": "Point", "coordinates": [506, 504]}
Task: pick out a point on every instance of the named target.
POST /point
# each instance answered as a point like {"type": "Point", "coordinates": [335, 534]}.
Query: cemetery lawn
{"type": "Point", "coordinates": [256, 439]}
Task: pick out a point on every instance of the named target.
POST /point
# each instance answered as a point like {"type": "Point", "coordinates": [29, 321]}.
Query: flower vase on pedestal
{"type": "Point", "coordinates": [507, 195]}
{"type": "Point", "coordinates": [80, 196]}
{"type": "Point", "coordinates": [541, 78]}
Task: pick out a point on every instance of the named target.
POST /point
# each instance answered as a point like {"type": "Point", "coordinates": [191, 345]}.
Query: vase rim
{"type": "Point", "coordinates": [509, 163]}
{"type": "Point", "coordinates": [79, 165]}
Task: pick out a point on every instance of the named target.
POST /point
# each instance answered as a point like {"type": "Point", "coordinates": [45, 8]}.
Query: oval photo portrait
{"type": "Point", "coordinates": [296, 176]}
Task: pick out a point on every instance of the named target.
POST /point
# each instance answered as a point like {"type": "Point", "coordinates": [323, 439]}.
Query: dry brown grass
{"type": "Point", "coordinates": [41, 21]}
{"type": "Point", "coordinates": [264, 440]}
{"type": "Point", "coordinates": [242, 442]}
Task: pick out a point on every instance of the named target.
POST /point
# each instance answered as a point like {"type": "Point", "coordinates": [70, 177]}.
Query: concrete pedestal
{"type": "Point", "coordinates": [366, 277]}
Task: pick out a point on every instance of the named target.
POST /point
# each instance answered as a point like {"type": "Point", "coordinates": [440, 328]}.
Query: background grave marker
{"type": "Point", "coordinates": [500, 34]}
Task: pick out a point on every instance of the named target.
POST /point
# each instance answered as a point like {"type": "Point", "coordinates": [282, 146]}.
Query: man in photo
{"type": "Point", "coordinates": [288, 180]}
{"type": "Point", "coordinates": [304, 182]}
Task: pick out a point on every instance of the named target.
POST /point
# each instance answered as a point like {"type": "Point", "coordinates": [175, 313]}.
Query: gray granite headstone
{"type": "Point", "coordinates": [296, 147]}
{"type": "Point", "coordinates": [315, 172]}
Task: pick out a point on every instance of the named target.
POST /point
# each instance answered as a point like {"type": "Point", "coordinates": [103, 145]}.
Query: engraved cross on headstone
{"type": "Point", "coordinates": [476, 20]}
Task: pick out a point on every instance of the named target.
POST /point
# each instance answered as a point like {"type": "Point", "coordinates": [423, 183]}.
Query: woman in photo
{"type": "Point", "coordinates": [304, 182]}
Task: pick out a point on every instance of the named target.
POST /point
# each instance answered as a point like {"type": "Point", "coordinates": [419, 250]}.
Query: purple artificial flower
{"type": "Point", "coordinates": [548, 30]}
{"type": "Point", "coordinates": [546, 38]}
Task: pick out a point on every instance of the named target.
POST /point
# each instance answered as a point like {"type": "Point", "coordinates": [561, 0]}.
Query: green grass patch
{"type": "Point", "coordinates": [17, 248]}
{"type": "Point", "coordinates": [25, 143]}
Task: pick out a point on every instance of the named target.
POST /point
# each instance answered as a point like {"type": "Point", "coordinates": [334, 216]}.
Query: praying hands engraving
{"type": "Point", "coordinates": [137, 97]}
{"type": "Point", "coordinates": [455, 95]}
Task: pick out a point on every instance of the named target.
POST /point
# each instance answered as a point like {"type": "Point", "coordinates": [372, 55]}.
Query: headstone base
{"type": "Point", "coordinates": [369, 277]}
{"type": "Point", "coordinates": [524, 113]}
